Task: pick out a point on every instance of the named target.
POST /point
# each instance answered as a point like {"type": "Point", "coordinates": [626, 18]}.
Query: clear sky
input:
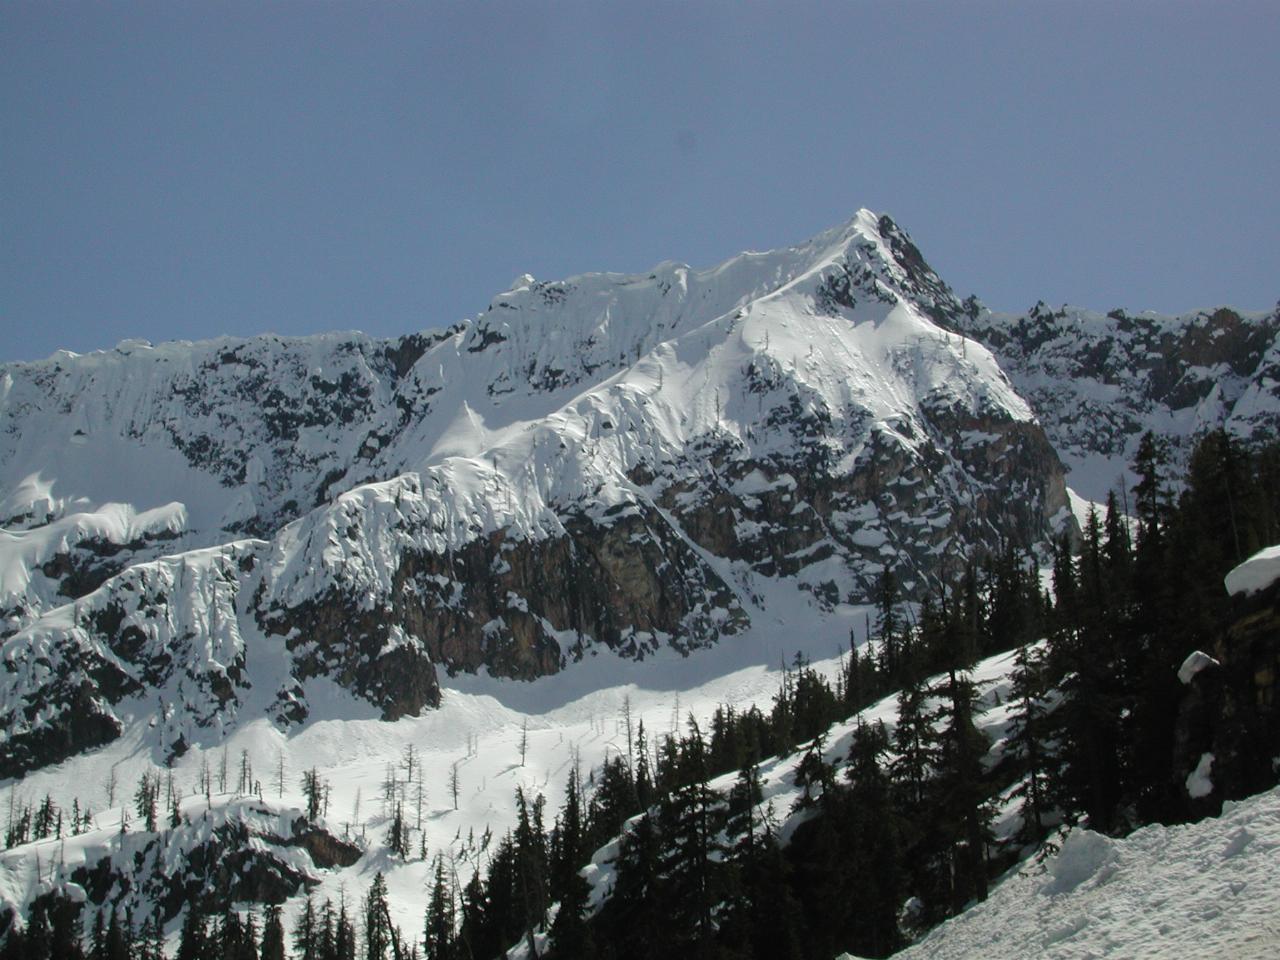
{"type": "Point", "coordinates": [189, 169]}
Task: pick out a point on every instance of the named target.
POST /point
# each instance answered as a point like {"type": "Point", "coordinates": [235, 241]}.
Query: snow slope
{"type": "Point", "coordinates": [1205, 889]}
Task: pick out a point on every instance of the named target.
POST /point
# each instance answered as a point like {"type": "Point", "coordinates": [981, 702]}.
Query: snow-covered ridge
{"type": "Point", "coordinates": [1098, 381]}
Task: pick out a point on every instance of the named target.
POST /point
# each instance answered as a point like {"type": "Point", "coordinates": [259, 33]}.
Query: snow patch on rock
{"type": "Point", "coordinates": [1255, 574]}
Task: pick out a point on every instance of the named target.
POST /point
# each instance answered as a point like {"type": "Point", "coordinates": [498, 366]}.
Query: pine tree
{"type": "Point", "coordinates": [475, 931]}
{"type": "Point", "coordinates": [634, 920]}
{"type": "Point", "coordinates": [962, 792]}
{"type": "Point", "coordinates": [437, 941]}
{"type": "Point", "coordinates": [313, 790]}
{"type": "Point", "coordinates": [911, 739]}
{"type": "Point", "coordinates": [146, 800]}
{"type": "Point", "coordinates": [194, 942]}
{"type": "Point", "coordinates": [306, 933]}
{"type": "Point", "coordinates": [531, 864]}
{"type": "Point", "coordinates": [569, 932]}
{"type": "Point", "coordinates": [273, 934]}
{"type": "Point", "coordinates": [119, 937]}
{"type": "Point", "coordinates": [398, 833]}
{"type": "Point", "coordinates": [377, 920]}
{"type": "Point", "coordinates": [875, 859]}
{"type": "Point", "coordinates": [1028, 729]}
{"type": "Point", "coordinates": [690, 819]}
{"type": "Point", "coordinates": [888, 627]}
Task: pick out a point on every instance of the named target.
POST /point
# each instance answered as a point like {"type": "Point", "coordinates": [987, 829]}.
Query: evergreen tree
{"type": "Point", "coordinates": [398, 833]}
{"type": "Point", "coordinates": [146, 800]}
{"type": "Point", "coordinates": [306, 933]}
{"type": "Point", "coordinates": [1028, 728]}
{"type": "Point", "coordinates": [475, 937]}
{"type": "Point", "coordinates": [634, 919]}
{"type": "Point", "coordinates": [570, 846]}
{"type": "Point", "coordinates": [690, 819]}
{"type": "Point", "coordinates": [962, 795]}
{"type": "Point", "coordinates": [344, 933]}
{"type": "Point", "coordinates": [194, 942]}
{"type": "Point", "coordinates": [377, 920]}
{"type": "Point", "coordinates": [531, 865]}
{"type": "Point", "coordinates": [911, 739]}
{"type": "Point", "coordinates": [313, 790]}
{"type": "Point", "coordinates": [875, 851]}
{"type": "Point", "coordinates": [437, 940]}
{"type": "Point", "coordinates": [273, 933]}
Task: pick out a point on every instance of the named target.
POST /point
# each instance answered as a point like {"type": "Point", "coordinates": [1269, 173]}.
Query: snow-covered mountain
{"type": "Point", "coordinates": [617, 461]}
{"type": "Point", "coordinates": [648, 490]}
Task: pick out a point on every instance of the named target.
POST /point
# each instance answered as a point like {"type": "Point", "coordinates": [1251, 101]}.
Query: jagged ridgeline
{"type": "Point", "coordinates": [283, 549]}
{"type": "Point", "coordinates": [603, 462]}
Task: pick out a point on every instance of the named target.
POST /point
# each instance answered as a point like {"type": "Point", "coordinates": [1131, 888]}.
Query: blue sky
{"type": "Point", "coordinates": [186, 170]}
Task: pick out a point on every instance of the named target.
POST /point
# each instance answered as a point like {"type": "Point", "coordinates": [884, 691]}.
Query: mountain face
{"type": "Point", "coordinates": [607, 461]}
{"type": "Point", "coordinates": [1098, 382]}
{"type": "Point", "coordinates": [197, 534]}
{"type": "Point", "coordinates": [299, 549]}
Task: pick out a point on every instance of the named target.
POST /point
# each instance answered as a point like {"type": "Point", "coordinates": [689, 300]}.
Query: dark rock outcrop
{"type": "Point", "coordinates": [1232, 710]}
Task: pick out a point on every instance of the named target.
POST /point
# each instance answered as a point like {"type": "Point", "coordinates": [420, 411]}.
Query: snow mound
{"type": "Point", "coordinates": [1255, 574]}
{"type": "Point", "coordinates": [1195, 662]}
{"type": "Point", "coordinates": [1084, 856]}
{"type": "Point", "coordinates": [1198, 782]}
{"type": "Point", "coordinates": [1194, 890]}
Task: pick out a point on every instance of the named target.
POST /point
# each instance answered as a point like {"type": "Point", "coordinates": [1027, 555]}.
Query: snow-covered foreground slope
{"type": "Point", "coordinates": [1205, 889]}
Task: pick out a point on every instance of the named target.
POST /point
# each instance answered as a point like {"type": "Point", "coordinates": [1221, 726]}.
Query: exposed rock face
{"type": "Point", "coordinates": [246, 853]}
{"type": "Point", "coordinates": [910, 508]}
{"type": "Point", "coordinates": [1098, 382]}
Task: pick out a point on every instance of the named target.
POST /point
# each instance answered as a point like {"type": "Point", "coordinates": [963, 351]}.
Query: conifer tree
{"type": "Point", "coordinates": [911, 740]}
{"type": "Point", "coordinates": [875, 859]}
{"type": "Point", "coordinates": [962, 798]}
{"type": "Point", "coordinates": [313, 790]}
{"type": "Point", "coordinates": [377, 920]}
{"type": "Point", "coordinates": [569, 931]}
{"type": "Point", "coordinates": [1027, 732]}
{"type": "Point", "coordinates": [438, 927]}
{"type": "Point", "coordinates": [531, 864]}
{"type": "Point", "coordinates": [634, 919]}
{"type": "Point", "coordinates": [398, 833]}
{"type": "Point", "coordinates": [306, 933]}
{"type": "Point", "coordinates": [475, 931]}
{"type": "Point", "coordinates": [273, 947]}
{"type": "Point", "coordinates": [194, 942]}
